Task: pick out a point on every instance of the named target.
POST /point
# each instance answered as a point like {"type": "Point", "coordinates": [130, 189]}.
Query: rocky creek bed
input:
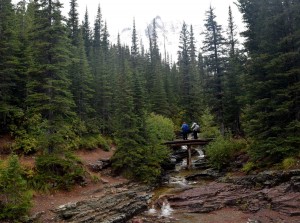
{"type": "Point", "coordinates": [271, 196]}
{"type": "Point", "coordinates": [200, 196]}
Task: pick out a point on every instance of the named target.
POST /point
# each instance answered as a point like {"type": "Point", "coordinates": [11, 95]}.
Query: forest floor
{"type": "Point", "coordinates": [44, 203]}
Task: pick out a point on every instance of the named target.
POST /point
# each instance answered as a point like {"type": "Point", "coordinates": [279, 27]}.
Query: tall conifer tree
{"type": "Point", "coordinates": [232, 80]}
{"type": "Point", "coordinates": [48, 87]}
{"type": "Point", "coordinates": [9, 63]}
{"type": "Point", "coordinates": [79, 70]}
{"type": "Point", "coordinates": [156, 85]}
{"type": "Point", "coordinates": [184, 62]}
{"type": "Point", "coordinates": [87, 35]}
{"type": "Point", "coordinates": [213, 51]}
{"type": "Point", "coordinates": [272, 41]}
{"type": "Point", "coordinates": [138, 88]}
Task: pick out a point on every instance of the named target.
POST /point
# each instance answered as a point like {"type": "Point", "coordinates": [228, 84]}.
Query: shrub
{"type": "Point", "coordinates": [56, 172]}
{"type": "Point", "coordinates": [143, 162]}
{"type": "Point", "coordinates": [208, 127]}
{"type": "Point", "coordinates": [27, 137]}
{"type": "Point", "coordinates": [221, 151]}
{"type": "Point", "coordinates": [159, 129]}
{"type": "Point", "coordinates": [15, 197]}
{"type": "Point", "coordinates": [248, 167]}
{"type": "Point", "coordinates": [93, 142]}
{"type": "Point", "coordinates": [288, 163]}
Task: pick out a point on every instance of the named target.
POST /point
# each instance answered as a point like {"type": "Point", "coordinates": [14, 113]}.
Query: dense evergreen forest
{"type": "Point", "coordinates": [65, 86]}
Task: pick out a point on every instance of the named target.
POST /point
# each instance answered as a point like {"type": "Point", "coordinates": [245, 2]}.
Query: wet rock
{"type": "Point", "coordinates": [264, 179]}
{"type": "Point", "coordinates": [253, 221]}
{"type": "Point", "coordinates": [115, 207]}
{"type": "Point", "coordinates": [206, 174]}
{"type": "Point", "coordinates": [99, 165]}
{"type": "Point", "coordinates": [295, 183]}
{"type": "Point", "coordinates": [270, 190]}
{"type": "Point", "coordinates": [201, 164]}
{"type": "Point", "coordinates": [137, 220]}
{"type": "Point", "coordinates": [169, 164]}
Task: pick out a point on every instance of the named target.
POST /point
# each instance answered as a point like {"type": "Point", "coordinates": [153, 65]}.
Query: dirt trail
{"type": "Point", "coordinates": [44, 203]}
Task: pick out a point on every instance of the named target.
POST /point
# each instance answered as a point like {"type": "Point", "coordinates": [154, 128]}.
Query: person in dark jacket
{"type": "Point", "coordinates": [185, 130]}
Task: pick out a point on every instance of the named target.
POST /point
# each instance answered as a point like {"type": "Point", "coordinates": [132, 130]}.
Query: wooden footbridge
{"type": "Point", "coordinates": [189, 143]}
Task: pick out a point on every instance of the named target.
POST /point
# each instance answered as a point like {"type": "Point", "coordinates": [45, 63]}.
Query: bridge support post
{"type": "Point", "coordinates": [189, 157]}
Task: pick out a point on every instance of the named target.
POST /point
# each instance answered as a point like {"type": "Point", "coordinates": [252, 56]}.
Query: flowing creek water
{"type": "Point", "coordinates": [177, 183]}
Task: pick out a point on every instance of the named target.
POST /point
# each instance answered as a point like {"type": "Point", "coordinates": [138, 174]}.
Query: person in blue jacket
{"type": "Point", "coordinates": [185, 130]}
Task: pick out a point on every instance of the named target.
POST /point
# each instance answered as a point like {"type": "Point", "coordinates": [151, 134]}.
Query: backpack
{"type": "Point", "coordinates": [197, 128]}
{"type": "Point", "coordinates": [185, 128]}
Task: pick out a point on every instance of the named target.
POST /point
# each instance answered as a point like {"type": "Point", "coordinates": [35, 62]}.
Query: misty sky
{"type": "Point", "coordinates": [120, 13]}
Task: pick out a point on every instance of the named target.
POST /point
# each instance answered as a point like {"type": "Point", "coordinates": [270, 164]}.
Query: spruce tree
{"type": "Point", "coordinates": [87, 35]}
{"type": "Point", "coordinates": [232, 80]}
{"type": "Point", "coordinates": [155, 80]}
{"type": "Point", "coordinates": [49, 93]}
{"type": "Point", "coordinates": [184, 61]}
{"type": "Point", "coordinates": [101, 72]}
{"type": "Point", "coordinates": [79, 70]}
{"type": "Point", "coordinates": [125, 120]}
{"type": "Point", "coordinates": [15, 204]}
{"type": "Point", "coordinates": [214, 60]}
{"type": "Point", "coordinates": [138, 86]}
{"type": "Point", "coordinates": [9, 65]}
{"type": "Point", "coordinates": [73, 22]}
{"type": "Point", "coordinates": [272, 101]}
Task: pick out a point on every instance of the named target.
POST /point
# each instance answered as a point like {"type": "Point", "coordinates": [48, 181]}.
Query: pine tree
{"type": "Point", "coordinates": [15, 204]}
{"type": "Point", "coordinates": [155, 80]}
{"type": "Point", "coordinates": [125, 120]}
{"type": "Point", "coordinates": [272, 101]}
{"type": "Point", "coordinates": [73, 22]}
{"type": "Point", "coordinates": [24, 22]}
{"type": "Point", "coordinates": [190, 80]}
{"type": "Point", "coordinates": [87, 35]}
{"type": "Point", "coordinates": [213, 51]}
{"type": "Point", "coordinates": [232, 80]}
{"type": "Point", "coordinates": [184, 62]}
{"type": "Point", "coordinates": [9, 64]}
{"type": "Point", "coordinates": [138, 86]}
{"type": "Point", "coordinates": [79, 70]}
{"type": "Point", "coordinates": [48, 86]}
{"type": "Point", "coordinates": [102, 72]}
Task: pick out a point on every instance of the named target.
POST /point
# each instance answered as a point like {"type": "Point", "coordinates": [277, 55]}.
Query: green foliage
{"type": "Point", "coordinates": [56, 172]}
{"type": "Point", "coordinates": [222, 151]}
{"type": "Point", "coordinates": [208, 127]}
{"type": "Point", "coordinates": [289, 163]}
{"type": "Point", "coordinates": [27, 138]}
{"type": "Point", "coordinates": [272, 80]}
{"type": "Point", "coordinates": [248, 167]}
{"type": "Point", "coordinates": [143, 162]}
{"type": "Point", "coordinates": [15, 199]}
{"type": "Point", "coordinates": [159, 129]}
{"type": "Point", "coordinates": [271, 150]}
{"type": "Point", "coordinates": [63, 84]}
{"type": "Point", "coordinates": [93, 142]}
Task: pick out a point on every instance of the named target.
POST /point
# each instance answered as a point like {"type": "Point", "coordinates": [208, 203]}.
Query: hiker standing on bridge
{"type": "Point", "coordinates": [185, 130]}
{"type": "Point", "coordinates": [195, 128]}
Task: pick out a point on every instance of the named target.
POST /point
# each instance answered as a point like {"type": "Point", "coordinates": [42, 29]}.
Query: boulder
{"type": "Point", "coordinates": [113, 207]}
